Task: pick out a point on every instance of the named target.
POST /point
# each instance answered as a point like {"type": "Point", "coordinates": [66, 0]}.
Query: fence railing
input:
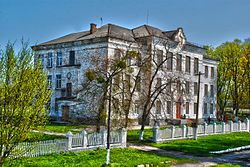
{"type": "Point", "coordinates": [78, 142]}
{"type": "Point", "coordinates": [183, 132]}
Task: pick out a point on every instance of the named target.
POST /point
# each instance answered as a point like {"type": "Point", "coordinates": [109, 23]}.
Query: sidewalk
{"type": "Point", "coordinates": [49, 133]}
{"type": "Point", "coordinates": [232, 158]}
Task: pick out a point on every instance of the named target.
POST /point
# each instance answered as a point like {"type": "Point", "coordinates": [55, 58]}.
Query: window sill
{"type": "Point", "coordinates": [69, 65]}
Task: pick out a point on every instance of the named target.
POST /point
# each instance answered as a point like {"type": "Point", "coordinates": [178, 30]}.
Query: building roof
{"type": "Point", "coordinates": [114, 31]}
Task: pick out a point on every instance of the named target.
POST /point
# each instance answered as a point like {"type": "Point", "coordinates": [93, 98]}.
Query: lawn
{"type": "Point", "coordinates": [226, 165]}
{"type": "Point", "coordinates": [204, 144]}
{"type": "Point", "coordinates": [95, 158]}
{"type": "Point", "coordinates": [32, 137]}
{"type": "Point", "coordinates": [61, 128]}
{"type": "Point", "coordinates": [133, 136]}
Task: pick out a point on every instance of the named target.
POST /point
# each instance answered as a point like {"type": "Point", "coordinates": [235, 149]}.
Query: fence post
{"type": "Point", "coordinates": [84, 135]}
{"type": "Point", "coordinates": [231, 126]}
{"type": "Point", "coordinates": [184, 131]}
{"type": "Point", "coordinates": [205, 128]}
{"type": "Point", "coordinates": [172, 132]}
{"type": "Point", "coordinates": [214, 127]}
{"type": "Point", "coordinates": [156, 133]}
{"type": "Point", "coordinates": [123, 132]}
{"type": "Point", "coordinates": [247, 124]}
{"type": "Point", "coordinates": [104, 137]}
{"type": "Point", "coordinates": [239, 126]}
{"type": "Point", "coordinates": [69, 135]}
{"type": "Point", "coordinates": [223, 127]}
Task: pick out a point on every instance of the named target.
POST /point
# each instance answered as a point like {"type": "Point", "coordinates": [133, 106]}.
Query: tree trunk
{"type": "Point", "coordinates": [1, 161]}
{"type": "Point", "coordinates": [126, 120]}
{"type": "Point", "coordinates": [143, 122]}
{"type": "Point", "coordinates": [141, 133]}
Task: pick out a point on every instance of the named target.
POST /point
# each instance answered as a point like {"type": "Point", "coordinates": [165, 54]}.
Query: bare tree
{"type": "Point", "coordinates": [158, 78]}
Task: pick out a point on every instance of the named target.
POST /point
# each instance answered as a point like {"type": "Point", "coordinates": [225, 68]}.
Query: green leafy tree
{"type": "Point", "coordinates": [232, 81]}
{"type": "Point", "coordinates": [24, 94]}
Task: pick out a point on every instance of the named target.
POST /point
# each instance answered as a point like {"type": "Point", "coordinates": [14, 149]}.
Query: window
{"type": "Point", "coordinates": [169, 85]}
{"type": "Point", "coordinates": [58, 81]}
{"type": "Point", "coordinates": [159, 54]}
{"type": "Point", "coordinates": [158, 84]}
{"type": "Point", "coordinates": [195, 88]}
{"type": "Point", "coordinates": [196, 66]}
{"type": "Point", "coordinates": [212, 72]}
{"type": "Point", "coordinates": [118, 54]}
{"type": "Point", "coordinates": [138, 84]}
{"type": "Point", "coordinates": [211, 108]}
{"type": "Point", "coordinates": [205, 90]}
{"type": "Point", "coordinates": [187, 107]}
{"type": "Point", "coordinates": [59, 59]}
{"type": "Point", "coordinates": [50, 60]}
{"type": "Point", "coordinates": [158, 107]}
{"type": "Point", "coordinates": [188, 62]}
{"type": "Point", "coordinates": [195, 108]}
{"type": "Point", "coordinates": [178, 86]}
{"type": "Point", "coordinates": [206, 71]}
{"type": "Point", "coordinates": [170, 61]}
{"type": "Point", "coordinates": [212, 90]}
{"type": "Point", "coordinates": [169, 107]}
{"type": "Point", "coordinates": [49, 80]}
{"type": "Point", "coordinates": [72, 57]}
{"type": "Point", "coordinates": [187, 87]}
{"type": "Point", "coordinates": [69, 89]}
{"type": "Point", "coordinates": [205, 108]}
{"type": "Point", "coordinates": [129, 62]}
{"type": "Point", "coordinates": [137, 106]}
{"type": "Point", "coordinates": [178, 62]}
{"type": "Point", "coordinates": [41, 59]}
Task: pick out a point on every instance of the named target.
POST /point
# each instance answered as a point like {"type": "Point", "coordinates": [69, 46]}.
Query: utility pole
{"type": "Point", "coordinates": [109, 121]}
{"type": "Point", "coordinates": [197, 108]}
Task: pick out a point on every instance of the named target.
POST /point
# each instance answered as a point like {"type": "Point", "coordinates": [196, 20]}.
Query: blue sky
{"type": "Point", "coordinates": [209, 22]}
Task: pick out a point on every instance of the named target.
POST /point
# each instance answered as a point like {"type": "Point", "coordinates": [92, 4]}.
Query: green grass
{"type": "Point", "coordinates": [204, 144]}
{"type": "Point", "coordinates": [226, 165]}
{"type": "Point", "coordinates": [119, 157]}
{"type": "Point", "coordinates": [32, 137]}
{"type": "Point", "coordinates": [133, 136]}
{"type": "Point", "coordinates": [62, 128]}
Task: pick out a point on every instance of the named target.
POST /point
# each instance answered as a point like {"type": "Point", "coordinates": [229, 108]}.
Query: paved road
{"type": "Point", "coordinates": [232, 158]}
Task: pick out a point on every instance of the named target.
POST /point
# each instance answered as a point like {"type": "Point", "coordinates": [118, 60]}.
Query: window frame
{"type": "Point", "coordinates": [59, 59]}
{"type": "Point", "coordinates": [188, 64]}
{"type": "Point", "coordinates": [58, 81]}
{"type": "Point", "coordinates": [179, 62]}
{"type": "Point", "coordinates": [49, 80]}
{"type": "Point", "coordinates": [50, 60]}
{"type": "Point", "coordinates": [196, 66]}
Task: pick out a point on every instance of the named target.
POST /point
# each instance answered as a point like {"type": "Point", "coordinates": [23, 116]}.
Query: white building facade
{"type": "Point", "coordinates": [65, 61]}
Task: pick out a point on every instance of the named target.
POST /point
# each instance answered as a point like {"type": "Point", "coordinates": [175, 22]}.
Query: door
{"type": "Point", "coordinates": [178, 110]}
{"type": "Point", "coordinates": [69, 89]}
{"type": "Point", "coordinates": [65, 113]}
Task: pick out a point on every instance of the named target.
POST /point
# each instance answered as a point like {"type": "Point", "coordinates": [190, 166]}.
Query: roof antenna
{"type": "Point", "coordinates": [101, 21]}
{"type": "Point", "coordinates": [147, 15]}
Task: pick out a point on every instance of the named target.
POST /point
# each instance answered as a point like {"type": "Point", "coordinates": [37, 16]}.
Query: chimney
{"type": "Point", "coordinates": [92, 28]}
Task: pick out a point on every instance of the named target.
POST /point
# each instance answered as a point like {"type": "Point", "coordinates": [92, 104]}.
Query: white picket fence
{"type": "Point", "coordinates": [184, 132]}
{"type": "Point", "coordinates": [78, 142]}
